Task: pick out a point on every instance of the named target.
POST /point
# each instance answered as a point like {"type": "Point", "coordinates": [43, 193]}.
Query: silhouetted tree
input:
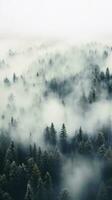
{"type": "Point", "coordinates": [63, 140]}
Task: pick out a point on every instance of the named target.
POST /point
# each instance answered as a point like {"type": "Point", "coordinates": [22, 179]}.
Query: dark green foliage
{"type": "Point", "coordinates": [63, 140]}
{"type": "Point", "coordinates": [50, 135]}
{"type": "Point", "coordinates": [11, 153]}
{"type": "Point", "coordinates": [60, 87]}
{"type": "Point", "coordinates": [30, 173]}
{"type": "Point", "coordinates": [107, 74]}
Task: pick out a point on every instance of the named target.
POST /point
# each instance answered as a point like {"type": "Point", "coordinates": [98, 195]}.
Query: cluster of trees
{"type": "Point", "coordinates": [95, 147]}
{"type": "Point", "coordinates": [100, 82]}
{"type": "Point", "coordinates": [29, 172]}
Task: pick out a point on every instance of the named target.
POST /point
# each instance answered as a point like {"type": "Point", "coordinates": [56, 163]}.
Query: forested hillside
{"type": "Point", "coordinates": [56, 123]}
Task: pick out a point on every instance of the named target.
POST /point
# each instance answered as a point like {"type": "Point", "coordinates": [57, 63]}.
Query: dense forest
{"type": "Point", "coordinates": [30, 171]}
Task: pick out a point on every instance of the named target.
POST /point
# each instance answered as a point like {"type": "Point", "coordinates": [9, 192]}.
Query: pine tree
{"type": "Point", "coordinates": [34, 152]}
{"type": "Point", "coordinates": [63, 140]}
{"type": "Point", "coordinates": [14, 78]}
{"type": "Point", "coordinates": [11, 154]}
{"type": "Point", "coordinates": [47, 135]}
{"type": "Point", "coordinates": [35, 176]}
{"type": "Point", "coordinates": [53, 138]}
{"type": "Point", "coordinates": [100, 140]}
{"type": "Point", "coordinates": [39, 158]}
{"type": "Point", "coordinates": [80, 135]}
{"type": "Point", "coordinates": [107, 74]}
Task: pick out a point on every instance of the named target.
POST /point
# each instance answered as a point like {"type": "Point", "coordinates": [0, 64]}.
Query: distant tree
{"type": "Point", "coordinates": [101, 151]}
{"type": "Point", "coordinates": [88, 148]}
{"type": "Point", "coordinates": [7, 82]}
{"type": "Point", "coordinates": [92, 96]}
{"type": "Point", "coordinates": [100, 140]}
{"type": "Point", "coordinates": [14, 78]}
{"type": "Point", "coordinates": [30, 151]}
{"type": "Point", "coordinates": [50, 135]}
{"type": "Point", "coordinates": [81, 147]}
{"type": "Point", "coordinates": [37, 74]}
{"type": "Point", "coordinates": [108, 154]}
{"type": "Point", "coordinates": [11, 153]}
{"type": "Point", "coordinates": [63, 140]}
{"type": "Point", "coordinates": [110, 88]}
{"type": "Point", "coordinates": [47, 135]}
{"type": "Point", "coordinates": [84, 101]}
{"type": "Point", "coordinates": [102, 76]}
{"type": "Point", "coordinates": [105, 54]}
{"type": "Point", "coordinates": [74, 144]}
{"type": "Point", "coordinates": [39, 158]}
{"type": "Point", "coordinates": [53, 137]}
{"type": "Point", "coordinates": [80, 135]}
{"type": "Point", "coordinates": [35, 176]}
{"type": "Point", "coordinates": [107, 74]}
{"type": "Point", "coordinates": [34, 152]}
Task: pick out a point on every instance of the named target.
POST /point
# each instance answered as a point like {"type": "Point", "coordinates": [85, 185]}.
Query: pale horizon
{"type": "Point", "coordinates": [78, 20]}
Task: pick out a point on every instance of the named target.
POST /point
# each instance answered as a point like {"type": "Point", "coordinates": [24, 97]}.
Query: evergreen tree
{"type": "Point", "coordinates": [53, 138]}
{"type": "Point", "coordinates": [102, 76]}
{"type": "Point", "coordinates": [107, 74]}
{"type": "Point", "coordinates": [11, 153]}
{"type": "Point", "coordinates": [47, 135]}
{"type": "Point", "coordinates": [39, 158]}
{"type": "Point", "coordinates": [63, 140]}
{"type": "Point", "coordinates": [35, 176]}
{"type": "Point", "coordinates": [34, 152]}
{"type": "Point", "coordinates": [100, 140]}
{"type": "Point", "coordinates": [80, 135]}
{"type": "Point", "coordinates": [14, 78]}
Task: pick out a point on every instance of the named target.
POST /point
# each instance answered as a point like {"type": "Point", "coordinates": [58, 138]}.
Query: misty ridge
{"type": "Point", "coordinates": [55, 121]}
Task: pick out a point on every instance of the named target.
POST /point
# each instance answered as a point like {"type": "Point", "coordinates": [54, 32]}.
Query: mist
{"type": "Point", "coordinates": [31, 97]}
{"type": "Point", "coordinates": [44, 82]}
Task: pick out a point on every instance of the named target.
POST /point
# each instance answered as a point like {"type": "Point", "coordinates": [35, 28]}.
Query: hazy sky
{"type": "Point", "coordinates": [79, 19]}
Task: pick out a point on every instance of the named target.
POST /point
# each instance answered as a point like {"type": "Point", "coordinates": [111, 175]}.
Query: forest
{"type": "Point", "coordinates": [37, 171]}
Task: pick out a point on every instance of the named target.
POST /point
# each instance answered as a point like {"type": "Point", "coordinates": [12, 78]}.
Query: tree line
{"type": "Point", "coordinates": [31, 172]}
